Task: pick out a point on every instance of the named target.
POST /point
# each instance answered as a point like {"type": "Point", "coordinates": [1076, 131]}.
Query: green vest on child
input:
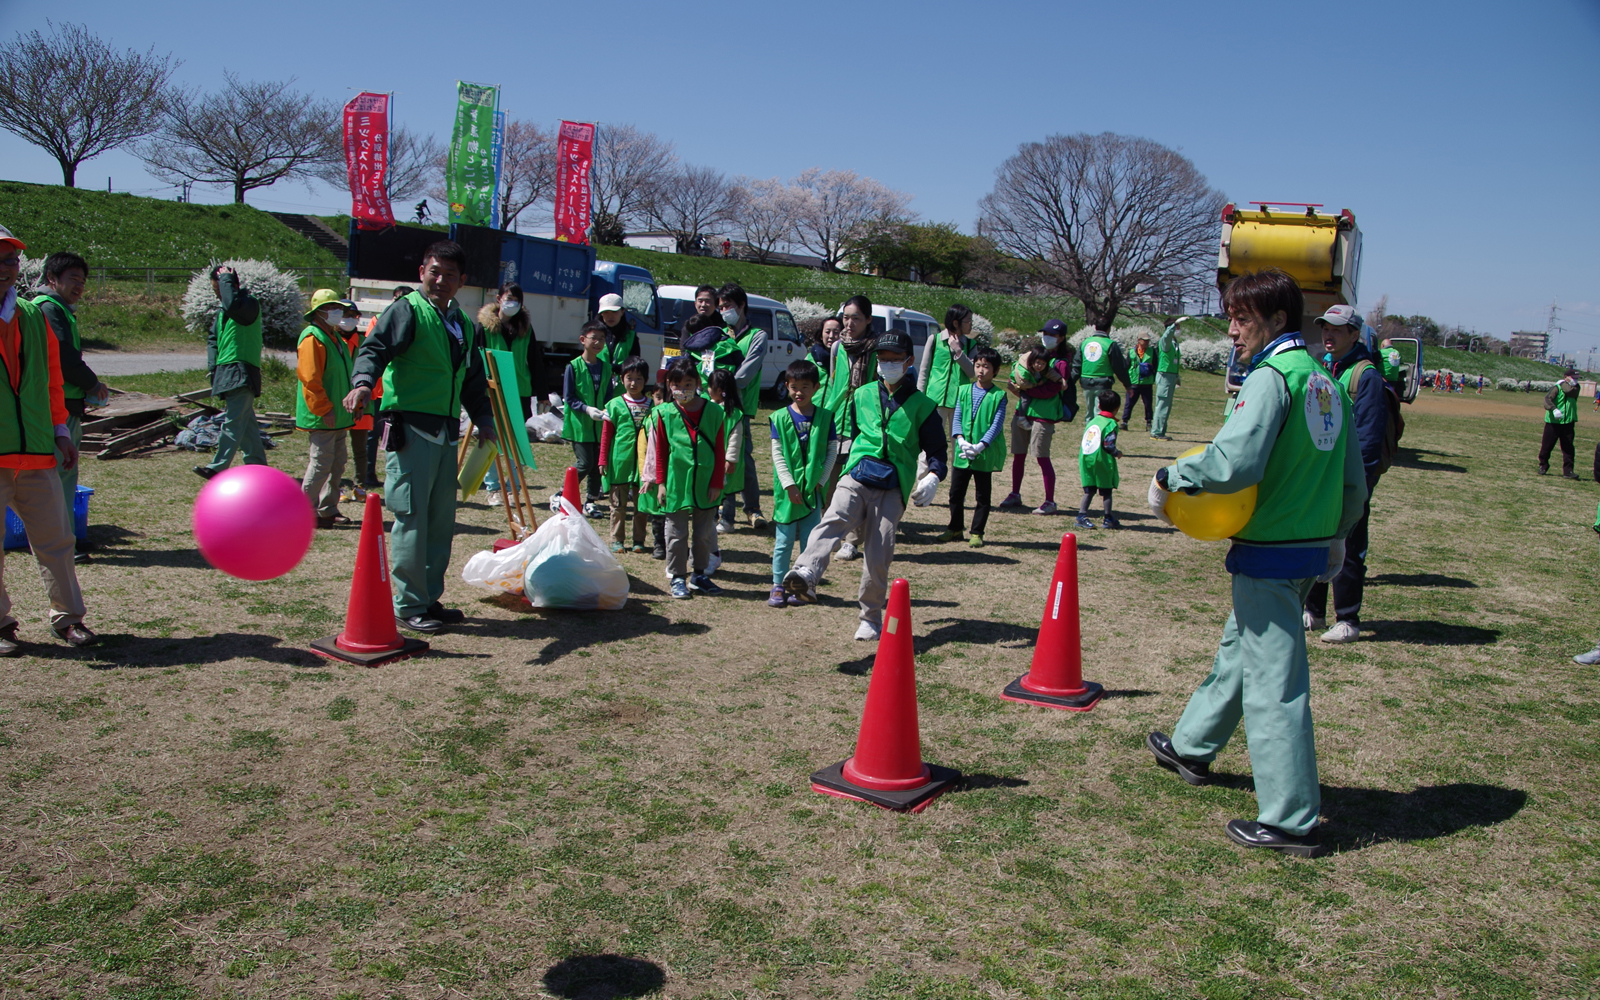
{"type": "Point", "coordinates": [692, 457]}
{"type": "Point", "coordinates": [945, 377]}
{"type": "Point", "coordinates": [975, 425]}
{"type": "Point", "coordinates": [622, 465]}
{"type": "Point", "coordinates": [577, 425]}
{"type": "Point", "coordinates": [1097, 465]}
{"type": "Point", "coordinates": [805, 460]}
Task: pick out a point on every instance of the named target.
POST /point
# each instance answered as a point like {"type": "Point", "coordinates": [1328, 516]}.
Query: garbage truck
{"type": "Point", "coordinates": [1321, 251]}
{"type": "Point", "coordinates": [561, 284]}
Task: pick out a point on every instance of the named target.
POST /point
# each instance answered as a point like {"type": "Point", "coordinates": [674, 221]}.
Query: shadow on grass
{"type": "Point", "coordinates": [1110, 693]}
{"type": "Point", "coordinates": [952, 557]}
{"type": "Point", "coordinates": [1406, 458]}
{"type": "Point", "coordinates": [1364, 817]}
{"type": "Point", "coordinates": [570, 631]}
{"type": "Point", "coordinates": [1430, 633]}
{"type": "Point", "coordinates": [1418, 580]}
{"type": "Point", "coordinates": [124, 650]}
{"type": "Point", "coordinates": [979, 781]}
{"type": "Point", "coordinates": [977, 631]}
{"type": "Point", "coordinates": [189, 558]}
{"type": "Point", "coordinates": [603, 977]}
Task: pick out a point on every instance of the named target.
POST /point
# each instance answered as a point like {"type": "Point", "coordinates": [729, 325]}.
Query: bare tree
{"type": "Point", "coordinates": [628, 164]}
{"type": "Point", "coordinates": [1097, 216]}
{"type": "Point", "coordinates": [765, 222]}
{"type": "Point", "coordinates": [527, 170]}
{"type": "Point", "coordinates": [1376, 314]}
{"type": "Point", "coordinates": [688, 202]}
{"type": "Point", "coordinates": [412, 163]}
{"type": "Point", "coordinates": [248, 136]}
{"type": "Point", "coordinates": [835, 208]}
{"type": "Point", "coordinates": [73, 96]}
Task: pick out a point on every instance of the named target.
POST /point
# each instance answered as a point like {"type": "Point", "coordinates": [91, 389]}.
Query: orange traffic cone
{"type": "Point", "coordinates": [887, 769]}
{"type": "Point", "coordinates": [1056, 679]}
{"type": "Point", "coordinates": [369, 637]}
{"type": "Point", "coordinates": [569, 488]}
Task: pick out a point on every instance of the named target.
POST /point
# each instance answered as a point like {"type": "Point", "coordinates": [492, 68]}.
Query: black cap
{"type": "Point", "coordinates": [893, 340]}
{"type": "Point", "coordinates": [1054, 327]}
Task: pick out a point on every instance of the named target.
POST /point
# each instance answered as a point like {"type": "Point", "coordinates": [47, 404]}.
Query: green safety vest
{"type": "Point", "coordinates": [750, 395]}
{"type": "Point", "coordinates": [1391, 364]}
{"type": "Point", "coordinates": [1566, 411]}
{"type": "Point", "coordinates": [836, 394]}
{"type": "Point", "coordinates": [575, 424]}
{"type": "Point", "coordinates": [618, 353]}
{"type": "Point", "coordinates": [622, 465]}
{"type": "Point", "coordinates": [425, 378]}
{"type": "Point", "coordinates": [946, 379]}
{"type": "Point", "coordinates": [805, 460]}
{"type": "Point", "coordinates": [1168, 358]}
{"type": "Point", "coordinates": [336, 373]}
{"type": "Point", "coordinates": [25, 424]}
{"type": "Point", "coordinates": [975, 425]}
{"type": "Point", "coordinates": [1133, 367]}
{"type": "Point", "coordinates": [691, 459]}
{"type": "Point", "coordinates": [238, 341]}
{"type": "Point", "coordinates": [1039, 409]}
{"type": "Point", "coordinates": [68, 390]}
{"type": "Point", "coordinates": [894, 440]}
{"type": "Point", "coordinates": [1096, 354]}
{"type": "Point", "coordinates": [496, 340]}
{"type": "Point", "coordinates": [1301, 493]}
{"type": "Point", "coordinates": [1097, 466]}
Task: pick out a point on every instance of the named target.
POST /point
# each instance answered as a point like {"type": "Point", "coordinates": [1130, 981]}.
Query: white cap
{"type": "Point", "coordinates": [1340, 316]}
{"type": "Point", "coordinates": [610, 303]}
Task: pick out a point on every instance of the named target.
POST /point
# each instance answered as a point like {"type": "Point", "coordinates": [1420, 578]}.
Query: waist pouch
{"type": "Point", "coordinates": [876, 474]}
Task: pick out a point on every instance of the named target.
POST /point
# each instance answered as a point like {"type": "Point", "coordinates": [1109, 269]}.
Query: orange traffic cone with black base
{"type": "Point", "coordinates": [569, 488]}
{"type": "Point", "coordinates": [887, 769]}
{"type": "Point", "coordinates": [370, 637]}
{"type": "Point", "coordinates": [1056, 679]}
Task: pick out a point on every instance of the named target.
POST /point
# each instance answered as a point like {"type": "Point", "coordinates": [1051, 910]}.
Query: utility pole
{"type": "Point", "coordinates": [1551, 328]}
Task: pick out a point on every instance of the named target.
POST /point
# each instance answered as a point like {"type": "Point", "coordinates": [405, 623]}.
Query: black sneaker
{"type": "Point", "coordinates": [1195, 772]}
{"type": "Point", "coordinates": [449, 616]}
{"type": "Point", "coordinates": [426, 624]}
{"type": "Point", "coordinates": [204, 471]}
{"type": "Point", "coordinates": [1252, 834]}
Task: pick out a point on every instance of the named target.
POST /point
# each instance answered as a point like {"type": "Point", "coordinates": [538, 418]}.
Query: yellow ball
{"type": "Point", "coordinates": [1211, 516]}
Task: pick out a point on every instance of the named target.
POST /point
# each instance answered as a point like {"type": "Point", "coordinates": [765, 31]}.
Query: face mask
{"type": "Point", "coordinates": [891, 371]}
{"type": "Point", "coordinates": [347, 324]}
{"type": "Point", "coordinates": [1050, 342]}
{"type": "Point", "coordinates": [332, 317]}
{"type": "Point", "coordinates": [683, 395]}
{"type": "Point", "coordinates": [730, 317]}
{"type": "Point", "coordinates": [510, 307]}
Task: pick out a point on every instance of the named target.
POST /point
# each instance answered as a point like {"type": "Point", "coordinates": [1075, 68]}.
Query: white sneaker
{"type": "Point", "coordinates": [493, 499]}
{"type": "Point", "coordinates": [1589, 659]}
{"type": "Point", "coordinates": [867, 632]}
{"type": "Point", "coordinates": [1342, 632]}
{"type": "Point", "coordinates": [713, 563]}
{"type": "Point", "coordinates": [846, 553]}
{"type": "Point", "coordinates": [723, 527]}
{"type": "Point", "coordinates": [1312, 622]}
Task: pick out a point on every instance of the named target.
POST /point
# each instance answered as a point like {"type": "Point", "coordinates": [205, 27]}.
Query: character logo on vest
{"type": "Point", "coordinates": [1091, 439]}
{"type": "Point", "coordinates": [1324, 412]}
{"type": "Point", "coordinates": [1093, 351]}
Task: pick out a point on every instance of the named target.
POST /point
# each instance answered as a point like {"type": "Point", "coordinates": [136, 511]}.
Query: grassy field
{"type": "Point", "coordinates": [616, 805]}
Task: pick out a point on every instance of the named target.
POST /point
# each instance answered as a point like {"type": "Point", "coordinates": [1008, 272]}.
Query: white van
{"type": "Point", "coordinates": [918, 324]}
{"type": "Point", "coordinates": [784, 344]}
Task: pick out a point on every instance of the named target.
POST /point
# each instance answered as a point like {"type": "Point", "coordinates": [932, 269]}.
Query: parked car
{"type": "Point", "coordinates": [785, 343]}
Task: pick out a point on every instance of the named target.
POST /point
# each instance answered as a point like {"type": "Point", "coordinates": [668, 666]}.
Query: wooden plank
{"type": "Point", "coordinates": [130, 440]}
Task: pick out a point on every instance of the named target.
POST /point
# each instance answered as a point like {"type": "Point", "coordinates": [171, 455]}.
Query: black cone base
{"type": "Point", "coordinates": [408, 647]}
{"type": "Point", "coordinates": [1076, 703]}
{"type": "Point", "coordinates": [831, 781]}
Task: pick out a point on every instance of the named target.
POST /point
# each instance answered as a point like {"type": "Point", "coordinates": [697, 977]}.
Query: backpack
{"type": "Point", "coordinates": [1396, 424]}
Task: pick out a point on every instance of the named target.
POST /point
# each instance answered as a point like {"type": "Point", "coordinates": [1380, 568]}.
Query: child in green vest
{"type": "Point", "coordinates": [978, 426]}
{"type": "Point", "coordinates": [804, 448]}
{"type": "Point", "coordinates": [586, 388]}
{"type": "Point", "coordinates": [1097, 460]}
{"type": "Point", "coordinates": [620, 445]}
{"type": "Point", "coordinates": [722, 388]}
{"type": "Point", "coordinates": [686, 462]}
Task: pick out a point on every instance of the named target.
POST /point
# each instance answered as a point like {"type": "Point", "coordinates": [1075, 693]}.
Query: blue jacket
{"type": "Point", "coordinates": [1371, 408]}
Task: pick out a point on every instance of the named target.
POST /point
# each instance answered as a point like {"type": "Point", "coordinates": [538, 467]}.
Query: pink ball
{"type": "Point", "coordinates": [253, 522]}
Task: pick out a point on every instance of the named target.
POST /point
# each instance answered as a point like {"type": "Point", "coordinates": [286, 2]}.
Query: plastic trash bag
{"type": "Point", "coordinates": [501, 571]}
{"type": "Point", "coordinates": [476, 465]}
{"type": "Point", "coordinates": [545, 427]}
{"type": "Point", "coordinates": [570, 567]}
{"type": "Point", "coordinates": [201, 434]}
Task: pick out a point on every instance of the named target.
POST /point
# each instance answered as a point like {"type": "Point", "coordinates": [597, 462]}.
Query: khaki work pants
{"type": "Point", "coordinates": [871, 514]}
{"type": "Point", "coordinates": [35, 494]}
{"type": "Point", "coordinates": [326, 457]}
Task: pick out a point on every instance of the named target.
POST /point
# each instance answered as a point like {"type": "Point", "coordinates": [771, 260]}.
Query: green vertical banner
{"type": "Point", "coordinates": [470, 181]}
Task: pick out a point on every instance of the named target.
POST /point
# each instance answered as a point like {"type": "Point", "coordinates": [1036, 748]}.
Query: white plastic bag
{"type": "Point", "coordinates": [570, 567]}
{"type": "Point", "coordinates": [545, 427]}
{"type": "Point", "coordinates": [498, 571]}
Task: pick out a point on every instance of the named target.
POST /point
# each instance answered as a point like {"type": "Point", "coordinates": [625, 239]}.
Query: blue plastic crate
{"type": "Point", "coordinates": [17, 535]}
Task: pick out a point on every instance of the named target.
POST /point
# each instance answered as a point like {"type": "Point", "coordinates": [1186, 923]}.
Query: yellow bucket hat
{"type": "Point", "coordinates": [324, 297]}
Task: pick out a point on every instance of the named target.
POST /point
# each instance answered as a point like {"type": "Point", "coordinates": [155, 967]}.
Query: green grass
{"type": "Point", "coordinates": [278, 384]}
{"type": "Point", "coordinates": [1491, 366]}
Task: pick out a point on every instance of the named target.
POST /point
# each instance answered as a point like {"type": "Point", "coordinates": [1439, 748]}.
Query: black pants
{"type": "Point", "coordinates": [1554, 434]}
{"type": "Point", "coordinates": [958, 498]}
{"type": "Point", "coordinates": [1146, 393]}
{"type": "Point", "coordinates": [586, 459]}
{"type": "Point", "coordinates": [1351, 583]}
{"type": "Point", "coordinates": [1088, 498]}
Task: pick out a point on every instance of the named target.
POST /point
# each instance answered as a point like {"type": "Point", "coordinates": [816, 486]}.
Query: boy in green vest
{"type": "Point", "coordinates": [233, 357]}
{"type": "Point", "coordinates": [65, 277]}
{"type": "Point", "coordinates": [620, 444]}
{"type": "Point", "coordinates": [752, 343]}
{"type": "Point", "coordinates": [978, 426]}
{"type": "Point", "coordinates": [1168, 377]}
{"type": "Point", "coordinates": [1290, 434]}
{"type": "Point", "coordinates": [1097, 461]}
{"type": "Point", "coordinates": [893, 423]}
{"type": "Point", "coordinates": [324, 366]}
{"type": "Point", "coordinates": [430, 357]}
{"type": "Point", "coordinates": [804, 448]}
{"type": "Point", "coordinates": [686, 464]}
{"type": "Point", "coordinates": [1142, 376]}
{"type": "Point", "coordinates": [586, 387]}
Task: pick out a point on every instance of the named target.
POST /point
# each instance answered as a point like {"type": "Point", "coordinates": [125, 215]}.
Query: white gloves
{"type": "Point", "coordinates": [595, 413]}
{"type": "Point", "coordinates": [923, 494]}
{"type": "Point", "coordinates": [555, 400]}
{"type": "Point", "coordinates": [1335, 561]}
{"type": "Point", "coordinates": [1158, 500]}
{"type": "Point", "coordinates": [969, 449]}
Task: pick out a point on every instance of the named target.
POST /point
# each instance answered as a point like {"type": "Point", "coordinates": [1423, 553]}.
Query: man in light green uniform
{"type": "Point", "coordinates": [1168, 378]}
{"type": "Point", "coordinates": [65, 276]}
{"type": "Point", "coordinates": [1290, 434]}
{"type": "Point", "coordinates": [233, 356]}
{"type": "Point", "coordinates": [430, 358]}
{"type": "Point", "coordinates": [1098, 361]}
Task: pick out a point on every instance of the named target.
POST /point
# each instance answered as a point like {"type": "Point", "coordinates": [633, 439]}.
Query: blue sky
{"type": "Point", "coordinates": [1464, 136]}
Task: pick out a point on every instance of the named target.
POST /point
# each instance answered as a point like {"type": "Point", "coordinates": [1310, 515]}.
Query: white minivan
{"type": "Point", "coordinates": [784, 341]}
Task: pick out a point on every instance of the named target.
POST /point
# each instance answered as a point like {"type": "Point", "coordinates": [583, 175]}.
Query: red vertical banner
{"type": "Point", "coordinates": [574, 155]}
{"type": "Point", "coordinates": [366, 158]}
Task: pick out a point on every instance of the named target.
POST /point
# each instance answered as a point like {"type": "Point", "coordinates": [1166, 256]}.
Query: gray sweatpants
{"type": "Point", "coordinates": [872, 515]}
{"type": "Point", "coordinates": [686, 530]}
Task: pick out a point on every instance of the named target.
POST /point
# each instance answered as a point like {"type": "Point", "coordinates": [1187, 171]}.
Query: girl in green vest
{"type": "Point", "coordinates": [978, 427]}
{"type": "Point", "coordinates": [804, 449]}
{"type": "Point", "coordinates": [620, 445]}
{"type": "Point", "coordinates": [686, 464]}
{"type": "Point", "coordinates": [586, 388]}
{"type": "Point", "coordinates": [506, 327]}
{"type": "Point", "coordinates": [1097, 460]}
{"type": "Point", "coordinates": [946, 366]}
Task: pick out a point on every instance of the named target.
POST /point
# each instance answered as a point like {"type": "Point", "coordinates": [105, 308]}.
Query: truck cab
{"type": "Point", "coordinates": [640, 305]}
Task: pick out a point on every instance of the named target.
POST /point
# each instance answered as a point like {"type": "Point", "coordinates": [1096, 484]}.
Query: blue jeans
{"type": "Point", "coordinates": [785, 537]}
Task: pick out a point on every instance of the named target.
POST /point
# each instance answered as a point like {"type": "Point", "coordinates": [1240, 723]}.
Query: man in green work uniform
{"type": "Point", "coordinates": [233, 356]}
{"type": "Point", "coordinates": [1098, 361]}
{"type": "Point", "coordinates": [946, 367]}
{"type": "Point", "coordinates": [1560, 422]}
{"type": "Point", "coordinates": [751, 342]}
{"type": "Point", "coordinates": [1291, 435]}
{"type": "Point", "coordinates": [429, 356]}
{"type": "Point", "coordinates": [65, 276]}
{"type": "Point", "coordinates": [1168, 378]}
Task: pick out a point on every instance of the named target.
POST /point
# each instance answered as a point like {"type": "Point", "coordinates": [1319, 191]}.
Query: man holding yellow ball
{"type": "Point", "coordinates": [1290, 434]}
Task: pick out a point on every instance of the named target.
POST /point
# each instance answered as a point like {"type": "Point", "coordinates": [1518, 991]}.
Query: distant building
{"type": "Point", "coordinates": [1530, 345]}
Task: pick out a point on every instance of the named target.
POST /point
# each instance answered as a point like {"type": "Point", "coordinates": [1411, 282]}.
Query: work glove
{"type": "Point", "coordinates": [1335, 561]}
{"type": "Point", "coordinates": [977, 448]}
{"type": "Point", "coordinates": [555, 400]}
{"type": "Point", "coordinates": [595, 413]}
{"type": "Point", "coordinates": [1158, 500]}
{"type": "Point", "coordinates": [923, 494]}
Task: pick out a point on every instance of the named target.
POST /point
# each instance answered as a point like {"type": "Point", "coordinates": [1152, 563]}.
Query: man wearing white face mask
{"type": "Point", "coordinates": [893, 423]}
{"type": "Point", "coordinates": [324, 365]}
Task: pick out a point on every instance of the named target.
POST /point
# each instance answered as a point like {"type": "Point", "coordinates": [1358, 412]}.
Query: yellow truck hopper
{"type": "Point", "coordinates": [1321, 251]}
